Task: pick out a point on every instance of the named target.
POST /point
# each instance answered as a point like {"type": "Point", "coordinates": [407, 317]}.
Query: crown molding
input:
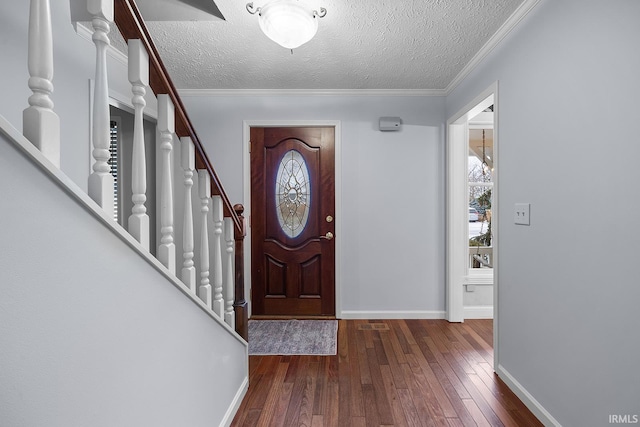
{"type": "Point", "coordinates": [311, 92]}
{"type": "Point", "coordinates": [515, 18]}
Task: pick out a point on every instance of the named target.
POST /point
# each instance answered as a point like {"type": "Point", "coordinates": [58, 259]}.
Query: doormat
{"type": "Point", "coordinates": [293, 337]}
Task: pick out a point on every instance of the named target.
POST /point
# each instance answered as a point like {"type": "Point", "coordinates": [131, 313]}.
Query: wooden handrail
{"type": "Point", "coordinates": [131, 25]}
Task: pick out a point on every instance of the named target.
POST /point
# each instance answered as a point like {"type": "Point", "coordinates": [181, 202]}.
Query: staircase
{"type": "Point", "coordinates": [96, 326]}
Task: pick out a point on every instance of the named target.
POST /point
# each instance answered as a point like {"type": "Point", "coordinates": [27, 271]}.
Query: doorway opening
{"type": "Point", "coordinates": [472, 211]}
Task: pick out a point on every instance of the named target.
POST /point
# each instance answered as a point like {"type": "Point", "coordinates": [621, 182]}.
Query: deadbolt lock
{"type": "Point", "coordinates": [329, 218]}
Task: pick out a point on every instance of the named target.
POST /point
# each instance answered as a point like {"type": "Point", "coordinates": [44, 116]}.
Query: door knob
{"type": "Point", "coordinates": [328, 236]}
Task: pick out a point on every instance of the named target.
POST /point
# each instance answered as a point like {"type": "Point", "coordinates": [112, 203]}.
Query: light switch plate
{"type": "Point", "coordinates": [522, 214]}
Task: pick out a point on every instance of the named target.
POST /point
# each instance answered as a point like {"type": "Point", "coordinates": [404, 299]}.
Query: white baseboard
{"type": "Point", "coordinates": [357, 314]}
{"type": "Point", "coordinates": [235, 404]}
{"type": "Point", "coordinates": [478, 312]}
{"type": "Point", "coordinates": [526, 397]}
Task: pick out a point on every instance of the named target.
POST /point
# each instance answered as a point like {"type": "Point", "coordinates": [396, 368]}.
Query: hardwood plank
{"type": "Point", "coordinates": [434, 384]}
{"type": "Point", "coordinates": [462, 414]}
{"type": "Point", "coordinates": [331, 415]}
{"type": "Point", "coordinates": [416, 373]}
{"type": "Point", "coordinates": [419, 398]}
{"type": "Point", "coordinates": [382, 405]}
{"type": "Point", "coordinates": [371, 414]}
{"type": "Point", "coordinates": [317, 421]}
{"type": "Point", "coordinates": [251, 418]}
{"type": "Point", "coordinates": [476, 396]}
{"type": "Point", "coordinates": [476, 413]}
{"type": "Point", "coordinates": [455, 422]}
{"type": "Point", "coordinates": [394, 364]}
{"type": "Point", "coordinates": [396, 406]}
{"type": "Point", "coordinates": [398, 342]}
{"type": "Point", "coordinates": [280, 412]}
{"type": "Point", "coordinates": [419, 332]}
{"type": "Point", "coordinates": [272, 398]}
{"type": "Point", "coordinates": [357, 403]}
{"type": "Point", "coordinates": [344, 384]}
{"type": "Point", "coordinates": [299, 387]}
{"type": "Point", "coordinates": [451, 376]}
{"type": "Point", "coordinates": [363, 363]}
{"type": "Point", "coordinates": [410, 411]}
{"type": "Point", "coordinates": [292, 372]}
{"type": "Point", "coordinates": [259, 391]}
{"type": "Point", "coordinates": [308, 394]}
{"type": "Point", "coordinates": [406, 333]}
{"type": "Point", "coordinates": [498, 406]}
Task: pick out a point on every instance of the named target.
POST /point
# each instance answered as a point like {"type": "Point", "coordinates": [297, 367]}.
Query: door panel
{"type": "Point", "coordinates": [292, 194]}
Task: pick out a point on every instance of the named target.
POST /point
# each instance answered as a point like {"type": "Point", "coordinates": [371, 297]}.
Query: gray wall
{"type": "Point", "coordinates": [392, 187]}
{"type": "Point", "coordinates": [92, 335]}
{"type": "Point", "coordinates": [568, 290]}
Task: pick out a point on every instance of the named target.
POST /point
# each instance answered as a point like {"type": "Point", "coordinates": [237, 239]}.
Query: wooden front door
{"type": "Point", "coordinates": [292, 221]}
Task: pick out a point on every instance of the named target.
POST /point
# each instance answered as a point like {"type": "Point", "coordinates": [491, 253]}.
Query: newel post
{"type": "Point", "coordinates": [240, 304]}
{"type": "Point", "coordinates": [40, 124]}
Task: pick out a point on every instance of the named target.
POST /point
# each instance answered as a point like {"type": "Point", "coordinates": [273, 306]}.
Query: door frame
{"type": "Point", "coordinates": [457, 217]}
{"type": "Point", "coordinates": [246, 175]}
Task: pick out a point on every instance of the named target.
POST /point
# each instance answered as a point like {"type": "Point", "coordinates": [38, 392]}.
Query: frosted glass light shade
{"type": "Point", "coordinates": [288, 23]}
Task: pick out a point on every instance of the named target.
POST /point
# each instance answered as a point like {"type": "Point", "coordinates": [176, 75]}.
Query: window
{"type": "Point", "coordinates": [113, 166]}
{"type": "Point", "coordinates": [293, 195]}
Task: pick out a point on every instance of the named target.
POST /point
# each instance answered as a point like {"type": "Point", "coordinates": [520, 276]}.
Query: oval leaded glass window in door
{"type": "Point", "coordinates": [293, 193]}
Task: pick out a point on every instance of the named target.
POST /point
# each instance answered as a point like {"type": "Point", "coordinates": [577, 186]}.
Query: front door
{"type": "Point", "coordinates": [292, 221]}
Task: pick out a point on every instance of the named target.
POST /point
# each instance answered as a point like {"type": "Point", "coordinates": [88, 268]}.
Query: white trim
{"type": "Point", "coordinates": [478, 276]}
{"type": "Point", "coordinates": [389, 314]}
{"type": "Point", "coordinates": [235, 403]}
{"type": "Point", "coordinates": [457, 252]}
{"type": "Point", "coordinates": [530, 402]}
{"type": "Point", "coordinates": [515, 18]}
{"type": "Point", "coordinates": [477, 280]}
{"type": "Point", "coordinates": [246, 174]}
{"type": "Point", "coordinates": [478, 312]}
{"type": "Point", "coordinates": [457, 213]}
{"type": "Point", "coordinates": [312, 92]}
{"type": "Point", "coordinates": [84, 201]}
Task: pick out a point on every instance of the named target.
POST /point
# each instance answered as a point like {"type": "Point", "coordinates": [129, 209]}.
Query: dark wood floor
{"type": "Point", "coordinates": [386, 373]}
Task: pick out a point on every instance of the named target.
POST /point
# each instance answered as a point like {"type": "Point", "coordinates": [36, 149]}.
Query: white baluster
{"type": "Point", "coordinates": [204, 188]}
{"type": "Point", "coordinates": [166, 127]}
{"type": "Point", "coordinates": [188, 165]}
{"type": "Point", "coordinates": [218, 301]}
{"type": "Point", "coordinates": [139, 79]}
{"type": "Point", "coordinates": [229, 282]}
{"type": "Point", "coordinates": [101, 181]}
{"type": "Point", "coordinates": [40, 124]}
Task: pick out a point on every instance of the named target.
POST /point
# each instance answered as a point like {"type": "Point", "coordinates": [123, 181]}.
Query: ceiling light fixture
{"type": "Point", "coordinates": [287, 22]}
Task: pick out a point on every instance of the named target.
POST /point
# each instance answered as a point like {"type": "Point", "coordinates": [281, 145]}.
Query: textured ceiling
{"type": "Point", "coordinates": [360, 44]}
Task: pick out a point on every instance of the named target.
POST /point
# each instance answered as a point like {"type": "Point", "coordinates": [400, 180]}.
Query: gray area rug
{"type": "Point", "coordinates": [293, 337]}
